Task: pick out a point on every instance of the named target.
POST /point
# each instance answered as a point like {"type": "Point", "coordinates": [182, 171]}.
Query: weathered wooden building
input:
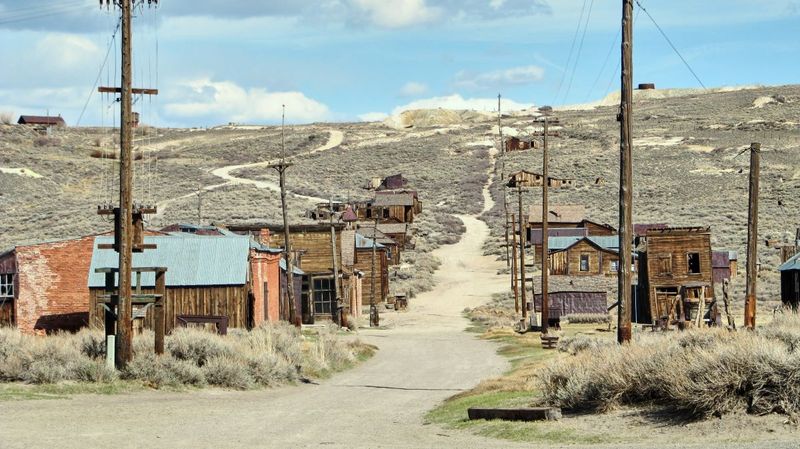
{"type": "Point", "coordinates": [517, 144]}
{"type": "Point", "coordinates": [675, 273]}
{"type": "Point", "coordinates": [524, 178]}
{"type": "Point", "coordinates": [41, 120]}
{"type": "Point", "coordinates": [564, 220]}
{"type": "Point", "coordinates": [43, 286]}
{"type": "Point", "coordinates": [395, 206]}
{"type": "Point", "coordinates": [363, 262]}
{"type": "Point", "coordinates": [573, 302]}
{"type": "Point", "coordinates": [207, 276]}
{"type": "Point", "coordinates": [584, 256]}
{"type": "Point", "coordinates": [724, 265]}
{"type": "Point", "coordinates": [790, 282]}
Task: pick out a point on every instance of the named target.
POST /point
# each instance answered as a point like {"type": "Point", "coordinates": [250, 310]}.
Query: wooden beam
{"type": "Point", "coordinates": [515, 414]}
{"type": "Point", "coordinates": [134, 91]}
{"type": "Point", "coordinates": [161, 290]}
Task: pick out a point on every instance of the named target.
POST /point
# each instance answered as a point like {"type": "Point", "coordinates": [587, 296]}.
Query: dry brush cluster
{"type": "Point", "coordinates": [698, 374]}
{"type": "Point", "coordinates": [267, 356]}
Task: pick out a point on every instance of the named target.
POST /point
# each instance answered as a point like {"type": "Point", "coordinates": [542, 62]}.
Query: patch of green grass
{"type": "Point", "coordinates": [21, 392]}
{"type": "Point", "coordinates": [453, 414]}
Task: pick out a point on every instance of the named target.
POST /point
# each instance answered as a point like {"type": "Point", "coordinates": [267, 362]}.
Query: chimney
{"type": "Point", "coordinates": [263, 236]}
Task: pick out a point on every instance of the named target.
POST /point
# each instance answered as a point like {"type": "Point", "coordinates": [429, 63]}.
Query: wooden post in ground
{"type": "Point", "coordinates": [522, 238]}
{"type": "Point", "coordinates": [726, 284]}
{"type": "Point", "coordinates": [626, 178]}
{"type": "Point", "coordinates": [545, 236]}
{"type": "Point", "coordinates": [514, 286]}
{"type": "Point", "coordinates": [374, 317]}
{"type": "Point", "coordinates": [161, 289]}
{"type": "Point", "coordinates": [752, 238]}
{"type": "Point", "coordinates": [339, 319]}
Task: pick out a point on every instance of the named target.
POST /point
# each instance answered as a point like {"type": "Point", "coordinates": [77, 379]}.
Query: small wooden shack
{"type": "Point", "coordinates": [517, 144]}
{"type": "Point", "coordinates": [561, 218]}
{"type": "Point", "coordinates": [41, 120]}
{"type": "Point", "coordinates": [524, 178]}
{"type": "Point", "coordinates": [676, 276]}
{"type": "Point", "coordinates": [396, 206]}
{"type": "Point", "coordinates": [790, 282]}
{"type": "Point", "coordinates": [584, 256]}
{"type": "Point", "coordinates": [363, 262]}
{"type": "Point", "coordinates": [573, 302]}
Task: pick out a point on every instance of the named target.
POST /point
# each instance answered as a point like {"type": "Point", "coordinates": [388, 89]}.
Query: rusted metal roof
{"type": "Point", "coordinates": [41, 120]}
{"type": "Point", "coordinates": [641, 229]}
{"type": "Point", "coordinates": [559, 213]}
{"type": "Point", "coordinates": [720, 259]}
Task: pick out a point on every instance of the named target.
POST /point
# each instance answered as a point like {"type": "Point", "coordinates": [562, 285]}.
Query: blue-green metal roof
{"type": "Point", "coordinates": [791, 264]}
{"type": "Point", "coordinates": [363, 242]}
{"type": "Point", "coordinates": [610, 243]}
{"type": "Point", "coordinates": [190, 260]}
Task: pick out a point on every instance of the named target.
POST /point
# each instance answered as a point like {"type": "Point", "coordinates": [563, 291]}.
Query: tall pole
{"type": "Point", "coordinates": [545, 235]}
{"type": "Point", "coordinates": [522, 238]}
{"type": "Point", "coordinates": [503, 172]}
{"type": "Point", "coordinates": [337, 295]}
{"type": "Point", "coordinates": [514, 285]}
{"type": "Point", "coordinates": [374, 319]}
{"type": "Point", "coordinates": [287, 242]}
{"type": "Point", "coordinates": [124, 338]}
{"type": "Point", "coordinates": [752, 238]}
{"type": "Point", "coordinates": [625, 177]}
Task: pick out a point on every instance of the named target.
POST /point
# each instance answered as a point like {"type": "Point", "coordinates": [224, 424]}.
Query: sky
{"type": "Point", "coordinates": [216, 61]}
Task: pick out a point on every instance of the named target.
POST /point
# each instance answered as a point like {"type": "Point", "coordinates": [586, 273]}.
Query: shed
{"type": "Point", "coordinates": [43, 120]}
{"type": "Point", "coordinates": [724, 265]}
{"type": "Point", "coordinates": [568, 303]}
{"type": "Point", "coordinates": [517, 144]}
{"type": "Point", "coordinates": [790, 281]}
{"type": "Point", "coordinates": [363, 262]}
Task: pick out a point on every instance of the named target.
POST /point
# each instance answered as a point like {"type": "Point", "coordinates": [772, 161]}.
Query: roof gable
{"type": "Point", "coordinates": [791, 264]}
{"type": "Point", "coordinates": [559, 213]}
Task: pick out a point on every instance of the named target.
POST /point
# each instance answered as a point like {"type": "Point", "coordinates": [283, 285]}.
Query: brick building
{"type": "Point", "coordinates": [44, 286]}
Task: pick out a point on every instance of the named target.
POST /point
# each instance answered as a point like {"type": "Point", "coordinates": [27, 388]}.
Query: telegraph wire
{"type": "Point", "coordinates": [571, 49]}
{"type": "Point", "coordinates": [580, 49]}
{"type": "Point", "coordinates": [111, 45]}
{"type": "Point", "coordinates": [603, 68]}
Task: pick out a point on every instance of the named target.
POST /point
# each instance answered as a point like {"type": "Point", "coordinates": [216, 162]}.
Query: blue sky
{"type": "Point", "coordinates": [347, 60]}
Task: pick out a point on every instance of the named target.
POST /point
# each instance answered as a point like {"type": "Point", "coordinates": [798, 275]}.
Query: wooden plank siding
{"type": "Point", "coordinates": [315, 246]}
{"type": "Point", "coordinates": [363, 263]}
{"type": "Point", "coordinates": [230, 301]}
{"type": "Point", "coordinates": [568, 261]}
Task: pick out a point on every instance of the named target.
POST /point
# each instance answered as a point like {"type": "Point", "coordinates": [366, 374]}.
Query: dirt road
{"type": "Point", "coordinates": [424, 357]}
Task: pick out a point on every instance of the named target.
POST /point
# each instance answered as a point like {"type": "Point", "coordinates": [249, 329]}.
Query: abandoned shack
{"type": "Point", "coordinates": [569, 303]}
{"type": "Point", "coordinates": [675, 274]}
{"type": "Point", "coordinates": [395, 206]}
{"type": "Point", "coordinates": [41, 120]}
{"type": "Point", "coordinates": [584, 256]}
{"type": "Point", "coordinates": [560, 219]}
{"type": "Point", "coordinates": [517, 144]}
{"type": "Point", "coordinates": [399, 232]}
{"type": "Point", "coordinates": [790, 282]}
{"type": "Point", "coordinates": [207, 277]}
{"type": "Point", "coordinates": [43, 286]}
{"type": "Point", "coordinates": [393, 182]}
{"type": "Point", "coordinates": [363, 262]}
{"type": "Point", "coordinates": [524, 178]}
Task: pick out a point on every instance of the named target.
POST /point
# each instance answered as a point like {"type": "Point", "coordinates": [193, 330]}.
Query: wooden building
{"type": "Point", "coordinates": [517, 144]}
{"type": "Point", "coordinates": [399, 232]}
{"type": "Point", "coordinates": [584, 256]}
{"type": "Point", "coordinates": [790, 282]}
{"type": "Point", "coordinates": [41, 120]}
{"type": "Point", "coordinates": [573, 302]}
{"type": "Point", "coordinates": [675, 275]}
{"type": "Point", "coordinates": [363, 261]}
{"type": "Point", "coordinates": [395, 206]}
{"type": "Point", "coordinates": [526, 178]}
{"type": "Point", "coordinates": [43, 286]}
{"type": "Point", "coordinates": [564, 220]}
{"type": "Point", "coordinates": [207, 276]}
{"type": "Point", "coordinates": [724, 265]}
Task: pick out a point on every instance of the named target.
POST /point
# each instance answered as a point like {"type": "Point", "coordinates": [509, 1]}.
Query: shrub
{"type": "Point", "coordinates": [93, 343]}
{"type": "Point", "coordinates": [588, 318]}
{"type": "Point", "coordinates": [45, 141]}
{"type": "Point", "coordinates": [196, 346]}
{"type": "Point", "coordinates": [228, 372]}
{"type": "Point", "coordinates": [6, 118]}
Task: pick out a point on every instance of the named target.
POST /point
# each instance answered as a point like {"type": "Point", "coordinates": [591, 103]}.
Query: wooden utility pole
{"type": "Point", "coordinates": [545, 234]}
{"type": "Point", "coordinates": [374, 317]}
{"type": "Point", "coordinates": [522, 238]}
{"type": "Point", "coordinates": [514, 286]}
{"type": "Point", "coordinates": [502, 153]}
{"type": "Point", "coordinates": [752, 238]}
{"type": "Point", "coordinates": [335, 258]}
{"type": "Point", "coordinates": [290, 310]}
{"type": "Point", "coordinates": [625, 177]}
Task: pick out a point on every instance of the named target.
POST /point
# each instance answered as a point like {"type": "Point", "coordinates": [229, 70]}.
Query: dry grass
{"type": "Point", "coordinates": [587, 318]}
{"type": "Point", "coordinates": [699, 373]}
{"type": "Point", "coordinates": [267, 356]}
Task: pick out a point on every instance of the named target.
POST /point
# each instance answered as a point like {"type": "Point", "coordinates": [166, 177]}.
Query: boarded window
{"type": "Point", "coordinates": [6, 286]}
{"type": "Point", "coordinates": [584, 262]}
{"type": "Point", "coordinates": [665, 264]}
{"type": "Point", "coordinates": [693, 263]}
{"type": "Point", "coordinates": [324, 297]}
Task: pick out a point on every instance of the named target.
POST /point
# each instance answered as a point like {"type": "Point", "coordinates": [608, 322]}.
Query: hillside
{"type": "Point", "coordinates": [686, 168]}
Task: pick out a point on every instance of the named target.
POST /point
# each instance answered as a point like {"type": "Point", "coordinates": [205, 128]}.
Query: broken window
{"type": "Point", "coordinates": [584, 262]}
{"type": "Point", "coordinates": [6, 286]}
{"type": "Point", "coordinates": [693, 263]}
{"type": "Point", "coordinates": [665, 264]}
{"type": "Point", "coordinates": [324, 296]}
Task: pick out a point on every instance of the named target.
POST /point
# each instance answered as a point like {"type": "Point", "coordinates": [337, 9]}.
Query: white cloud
{"type": "Point", "coordinates": [226, 101]}
{"type": "Point", "coordinates": [516, 76]}
{"type": "Point", "coordinates": [397, 13]}
{"type": "Point", "coordinates": [413, 89]}
{"type": "Point", "coordinates": [458, 102]}
{"type": "Point", "coordinates": [373, 116]}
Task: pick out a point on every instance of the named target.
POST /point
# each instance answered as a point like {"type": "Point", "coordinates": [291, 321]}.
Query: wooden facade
{"type": "Point", "coordinates": [563, 228]}
{"type": "Point", "coordinates": [584, 258]}
{"type": "Point", "coordinates": [676, 272]}
{"type": "Point", "coordinates": [363, 263]}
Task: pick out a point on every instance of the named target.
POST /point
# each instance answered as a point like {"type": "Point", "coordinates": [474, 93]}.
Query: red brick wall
{"type": "Point", "coordinates": [265, 268]}
{"type": "Point", "coordinates": [53, 292]}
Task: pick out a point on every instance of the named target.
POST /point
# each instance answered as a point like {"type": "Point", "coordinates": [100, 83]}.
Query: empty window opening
{"type": "Point", "coordinates": [584, 262]}
{"type": "Point", "coordinates": [693, 262]}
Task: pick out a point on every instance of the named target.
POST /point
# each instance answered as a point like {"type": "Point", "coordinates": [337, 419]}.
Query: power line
{"type": "Point", "coordinates": [34, 14]}
{"type": "Point", "coordinates": [685, 62]}
{"type": "Point", "coordinates": [571, 49]}
{"type": "Point", "coordinates": [580, 49]}
{"type": "Point", "coordinates": [100, 72]}
{"type": "Point", "coordinates": [603, 68]}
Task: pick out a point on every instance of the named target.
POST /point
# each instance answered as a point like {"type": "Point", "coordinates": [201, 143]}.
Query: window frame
{"type": "Point", "coordinates": [689, 263]}
{"type": "Point", "coordinates": [7, 286]}
{"type": "Point", "coordinates": [324, 295]}
{"type": "Point", "coordinates": [585, 257]}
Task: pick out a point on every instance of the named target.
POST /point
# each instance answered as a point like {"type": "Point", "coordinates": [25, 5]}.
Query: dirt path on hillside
{"type": "Point", "coordinates": [336, 138]}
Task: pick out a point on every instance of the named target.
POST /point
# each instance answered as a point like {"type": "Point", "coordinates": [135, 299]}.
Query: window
{"type": "Point", "coordinates": [693, 263]}
{"type": "Point", "coordinates": [614, 266]}
{"type": "Point", "coordinates": [6, 286]}
{"type": "Point", "coordinates": [324, 296]}
{"type": "Point", "coordinates": [584, 262]}
{"type": "Point", "coordinates": [664, 264]}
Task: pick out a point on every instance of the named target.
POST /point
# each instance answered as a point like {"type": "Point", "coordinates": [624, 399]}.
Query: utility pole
{"type": "Point", "coordinates": [545, 236]}
{"type": "Point", "coordinates": [199, 204]}
{"type": "Point", "coordinates": [514, 286]}
{"type": "Point", "coordinates": [374, 317]}
{"type": "Point", "coordinates": [503, 172]}
{"type": "Point", "coordinates": [522, 238]}
{"type": "Point", "coordinates": [625, 177]}
{"type": "Point", "coordinates": [290, 310]}
{"type": "Point", "coordinates": [752, 238]}
{"type": "Point", "coordinates": [338, 296]}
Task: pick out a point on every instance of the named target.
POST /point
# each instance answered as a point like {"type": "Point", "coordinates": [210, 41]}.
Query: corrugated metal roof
{"type": "Point", "coordinates": [393, 199]}
{"type": "Point", "coordinates": [363, 242]}
{"type": "Point", "coordinates": [610, 242]}
{"type": "Point", "coordinates": [791, 264]}
{"type": "Point", "coordinates": [295, 270]}
{"type": "Point", "coordinates": [190, 260]}
{"type": "Point", "coordinates": [536, 234]}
